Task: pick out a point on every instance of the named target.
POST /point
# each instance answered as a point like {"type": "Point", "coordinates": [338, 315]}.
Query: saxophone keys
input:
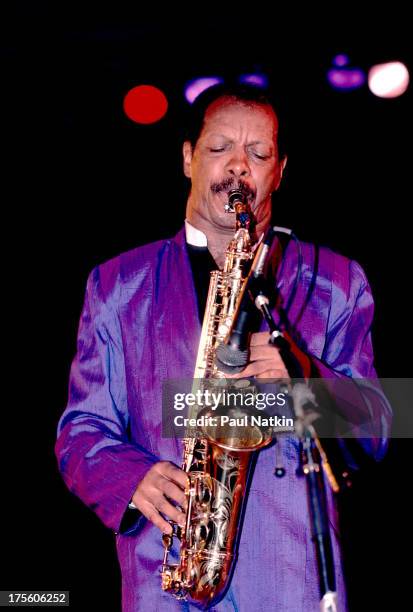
{"type": "Point", "coordinates": [167, 539]}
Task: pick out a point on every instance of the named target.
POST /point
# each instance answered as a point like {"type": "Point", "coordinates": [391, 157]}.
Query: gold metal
{"type": "Point", "coordinates": [217, 462]}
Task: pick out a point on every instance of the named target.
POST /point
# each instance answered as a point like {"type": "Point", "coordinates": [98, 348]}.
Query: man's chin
{"type": "Point", "coordinates": [225, 223]}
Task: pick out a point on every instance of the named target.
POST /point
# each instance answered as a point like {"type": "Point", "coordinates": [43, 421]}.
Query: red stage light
{"type": "Point", "coordinates": [145, 104]}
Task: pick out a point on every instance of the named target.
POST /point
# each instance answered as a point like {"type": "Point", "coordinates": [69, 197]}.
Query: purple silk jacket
{"type": "Point", "coordinates": [139, 327]}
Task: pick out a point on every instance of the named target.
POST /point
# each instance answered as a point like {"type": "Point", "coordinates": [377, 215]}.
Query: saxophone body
{"type": "Point", "coordinates": [217, 463]}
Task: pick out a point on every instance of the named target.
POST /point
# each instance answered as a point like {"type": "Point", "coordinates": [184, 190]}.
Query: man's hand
{"type": "Point", "coordinates": [265, 359]}
{"type": "Point", "coordinates": [163, 483]}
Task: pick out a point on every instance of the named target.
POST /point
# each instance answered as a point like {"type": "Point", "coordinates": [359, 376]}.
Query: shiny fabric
{"type": "Point", "coordinates": [140, 326]}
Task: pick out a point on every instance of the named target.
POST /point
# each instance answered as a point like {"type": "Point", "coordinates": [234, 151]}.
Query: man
{"type": "Point", "coordinates": [140, 326]}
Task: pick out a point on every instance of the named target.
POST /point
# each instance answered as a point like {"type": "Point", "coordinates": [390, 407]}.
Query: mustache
{"type": "Point", "coordinates": [230, 183]}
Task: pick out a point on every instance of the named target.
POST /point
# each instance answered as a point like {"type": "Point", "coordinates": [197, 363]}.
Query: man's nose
{"type": "Point", "coordinates": [238, 165]}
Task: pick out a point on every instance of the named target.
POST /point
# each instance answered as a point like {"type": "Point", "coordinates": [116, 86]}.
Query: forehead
{"type": "Point", "coordinates": [226, 114]}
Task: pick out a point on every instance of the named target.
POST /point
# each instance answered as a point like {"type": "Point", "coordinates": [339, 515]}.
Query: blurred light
{"type": "Point", "coordinates": [145, 104]}
{"type": "Point", "coordinates": [260, 80]}
{"type": "Point", "coordinates": [195, 87]}
{"type": "Point", "coordinates": [346, 78]}
{"type": "Point", "coordinates": [388, 80]}
{"type": "Point", "coordinates": [341, 60]}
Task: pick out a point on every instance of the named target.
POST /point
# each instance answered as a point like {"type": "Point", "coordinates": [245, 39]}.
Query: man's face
{"type": "Point", "coordinates": [237, 148]}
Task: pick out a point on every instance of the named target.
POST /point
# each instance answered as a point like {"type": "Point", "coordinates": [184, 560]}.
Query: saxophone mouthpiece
{"type": "Point", "coordinates": [238, 203]}
{"type": "Point", "coordinates": [234, 196]}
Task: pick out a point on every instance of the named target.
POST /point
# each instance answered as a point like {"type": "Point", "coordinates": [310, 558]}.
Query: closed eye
{"type": "Point", "coordinates": [259, 156]}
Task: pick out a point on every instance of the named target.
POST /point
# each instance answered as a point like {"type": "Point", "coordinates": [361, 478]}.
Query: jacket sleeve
{"type": "Point", "coordinates": [98, 462]}
{"type": "Point", "coordinates": [347, 364]}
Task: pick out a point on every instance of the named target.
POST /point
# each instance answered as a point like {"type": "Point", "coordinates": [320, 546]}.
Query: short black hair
{"type": "Point", "coordinates": [243, 92]}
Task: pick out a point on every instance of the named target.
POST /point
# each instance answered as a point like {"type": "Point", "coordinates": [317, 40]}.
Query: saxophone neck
{"type": "Point", "coordinates": [239, 250]}
{"type": "Point", "coordinates": [243, 213]}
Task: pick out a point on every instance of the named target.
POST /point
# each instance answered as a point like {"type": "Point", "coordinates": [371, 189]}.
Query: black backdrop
{"type": "Point", "coordinates": [85, 183]}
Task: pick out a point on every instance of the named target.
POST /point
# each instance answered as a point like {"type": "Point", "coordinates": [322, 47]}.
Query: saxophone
{"type": "Point", "coordinates": [217, 463]}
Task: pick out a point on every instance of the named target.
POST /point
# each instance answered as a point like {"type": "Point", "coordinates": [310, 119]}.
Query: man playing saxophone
{"type": "Point", "coordinates": [141, 325]}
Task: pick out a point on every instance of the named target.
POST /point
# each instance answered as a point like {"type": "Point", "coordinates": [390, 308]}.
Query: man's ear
{"type": "Point", "coordinates": [187, 155]}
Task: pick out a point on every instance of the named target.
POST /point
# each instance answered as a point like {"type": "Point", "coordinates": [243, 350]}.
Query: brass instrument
{"type": "Point", "coordinates": [217, 462]}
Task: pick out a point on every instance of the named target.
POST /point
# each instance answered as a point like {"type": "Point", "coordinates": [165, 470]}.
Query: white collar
{"type": "Point", "coordinates": [194, 236]}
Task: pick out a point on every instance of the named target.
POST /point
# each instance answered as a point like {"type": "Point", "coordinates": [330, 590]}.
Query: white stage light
{"type": "Point", "coordinates": [388, 80]}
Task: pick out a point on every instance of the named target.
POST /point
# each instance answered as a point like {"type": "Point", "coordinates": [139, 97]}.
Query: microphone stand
{"type": "Point", "coordinates": [313, 459]}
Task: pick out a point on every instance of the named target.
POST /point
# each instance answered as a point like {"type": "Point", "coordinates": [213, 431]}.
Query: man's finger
{"type": "Point", "coordinates": [261, 368]}
{"type": "Point", "coordinates": [174, 493]}
{"type": "Point", "coordinates": [153, 515]}
{"type": "Point", "coordinates": [264, 351]}
{"type": "Point", "coordinates": [274, 374]}
{"type": "Point", "coordinates": [259, 339]}
{"type": "Point", "coordinates": [252, 369]}
{"type": "Point", "coordinates": [171, 512]}
{"type": "Point", "coordinates": [170, 471]}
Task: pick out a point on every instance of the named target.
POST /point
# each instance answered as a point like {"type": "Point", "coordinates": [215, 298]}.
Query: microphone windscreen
{"type": "Point", "coordinates": [230, 360]}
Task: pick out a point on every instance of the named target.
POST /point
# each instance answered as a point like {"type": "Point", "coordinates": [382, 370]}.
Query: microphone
{"type": "Point", "coordinates": [232, 355]}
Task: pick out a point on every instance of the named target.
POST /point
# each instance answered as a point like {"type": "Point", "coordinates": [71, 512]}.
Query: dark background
{"type": "Point", "coordinates": [83, 183]}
